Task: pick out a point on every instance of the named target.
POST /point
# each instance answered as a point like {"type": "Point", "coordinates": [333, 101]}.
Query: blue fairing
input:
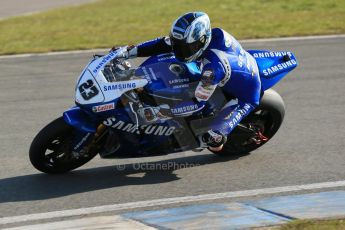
{"type": "Point", "coordinates": [193, 70]}
{"type": "Point", "coordinates": [273, 66]}
{"type": "Point", "coordinates": [170, 79]}
{"type": "Point", "coordinates": [79, 119]}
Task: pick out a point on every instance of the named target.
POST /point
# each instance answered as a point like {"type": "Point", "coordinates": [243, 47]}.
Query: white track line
{"type": "Point", "coordinates": [89, 223]}
{"type": "Point", "coordinates": [241, 41]}
{"type": "Point", "coordinates": [166, 201]}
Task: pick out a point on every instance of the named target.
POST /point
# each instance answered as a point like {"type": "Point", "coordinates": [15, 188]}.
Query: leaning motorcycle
{"type": "Point", "coordinates": [124, 112]}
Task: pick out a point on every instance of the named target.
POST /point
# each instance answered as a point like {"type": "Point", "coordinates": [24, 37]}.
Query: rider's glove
{"type": "Point", "coordinates": [213, 138]}
{"type": "Point", "coordinates": [128, 52]}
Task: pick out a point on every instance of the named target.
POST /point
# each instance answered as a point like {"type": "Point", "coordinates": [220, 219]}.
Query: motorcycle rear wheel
{"type": "Point", "coordinates": [267, 117]}
{"type": "Point", "coordinates": [50, 151]}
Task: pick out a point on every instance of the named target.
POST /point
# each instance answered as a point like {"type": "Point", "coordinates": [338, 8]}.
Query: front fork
{"type": "Point", "coordinates": [86, 143]}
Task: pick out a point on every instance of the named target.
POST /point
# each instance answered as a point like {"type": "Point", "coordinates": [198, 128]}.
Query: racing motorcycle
{"type": "Point", "coordinates": [122, 111]}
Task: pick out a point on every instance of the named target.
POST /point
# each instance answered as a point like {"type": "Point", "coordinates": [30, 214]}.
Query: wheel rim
{"type": "Point", "coordinates": [57, 151]}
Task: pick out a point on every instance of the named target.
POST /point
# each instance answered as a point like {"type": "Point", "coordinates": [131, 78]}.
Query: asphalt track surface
{"type": "Point", "coordinates": [10, 8]}
{"type": "Point", "coordinates": [309, 147]}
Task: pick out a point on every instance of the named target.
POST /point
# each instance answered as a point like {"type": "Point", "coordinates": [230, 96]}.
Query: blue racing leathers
{"type": "Point", "coordinates": [223, 64]}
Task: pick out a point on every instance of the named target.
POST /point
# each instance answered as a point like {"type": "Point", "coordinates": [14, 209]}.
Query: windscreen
{"type": "Point", "coordinates": [117, 71]}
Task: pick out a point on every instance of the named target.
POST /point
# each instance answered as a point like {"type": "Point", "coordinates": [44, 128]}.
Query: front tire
{"type": "Point", "coordinates": [267, 117]}
{"type": "Point", "coordinates": [50, 151]}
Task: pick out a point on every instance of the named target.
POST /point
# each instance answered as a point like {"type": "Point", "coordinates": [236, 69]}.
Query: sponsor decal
{"type": "Point", "coordinates": [180, 86]}
{"type": "Point", "coordinates": [201, 96]}
{"type": "Point", "coordinates": [270, 54]}
{"type": "Point", "coordinates": [178, 81]}
{"type": "Point", "coordinates": [232, 103]}
{"type": "Point", "coordinates": [104, 107]}
{"type": "Point", "coordinates": [146, 75]}
{"type": "Point", "coordinates": [252, 63]}
{"type": "Point", "coordinates": [103, 62]}
{"type": "Point", "coordinates": [204, 93]}
{"type": "Point", "coordinates": [185, 109]}
{"type": "Point", "coordinates": [166, 58]}
{"type": "Point", "coordinates": [207, 78]}
{"type": "Point", "coordinates": [157, 130]}
{"type": "Point", "coordinates": [241, 58]}
{"type": "Point", "coordinates": [281, 66]}
{"type": "Point", "coordinates": [81, 142]}
{"type": "Point", "coordinates": [119, 86]}
{"type": "Point", "coordinates": [240, 114]}
{"type": "Point", "coordinates": [153, 74]}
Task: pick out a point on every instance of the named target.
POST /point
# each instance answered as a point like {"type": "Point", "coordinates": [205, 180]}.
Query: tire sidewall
{"type": "Point", "coordinates": [272, 102]}
{"type": "Point", "coordinates": [42, 139]}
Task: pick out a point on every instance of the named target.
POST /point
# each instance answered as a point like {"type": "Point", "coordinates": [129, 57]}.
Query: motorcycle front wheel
{"type": "Point", "coordinates": [50, 151]}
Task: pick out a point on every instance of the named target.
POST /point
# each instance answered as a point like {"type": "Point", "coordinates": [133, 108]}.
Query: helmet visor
{"type": "Point", "coordinates": [183, 50]}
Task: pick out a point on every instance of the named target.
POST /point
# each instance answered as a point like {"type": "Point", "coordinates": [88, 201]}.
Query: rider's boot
{"type": "Point", "coordinates": [214, 140]}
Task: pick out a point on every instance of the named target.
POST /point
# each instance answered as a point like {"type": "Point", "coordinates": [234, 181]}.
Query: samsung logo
{"type": "Point", "coordinates": [279, 67]}
{"type": "Point", "coordinates": [239, 115]}
{"type": "Point", "coordinates": [185, 109]}
{"type": "Point", "coordinates": [157, 130]}
{"type": "Point", "coordinates": [270, 54]}
{"type": "Point", "coordinates": [177, 81]}
{"type": "Point", "coordinates": [166, 58]}
{"type": "Point", "coordinates": [103, 62]}
{"type": "Point", "coordinates": [119, 86]}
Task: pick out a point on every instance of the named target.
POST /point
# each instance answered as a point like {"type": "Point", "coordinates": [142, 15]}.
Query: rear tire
{"type": "Point", "coordinates": [268, 116]}
{"type": "Point", "coordinates": [56, 137]}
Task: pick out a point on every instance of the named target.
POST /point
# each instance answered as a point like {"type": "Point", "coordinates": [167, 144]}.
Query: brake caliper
{"type": "Point", "coordinates": [259, 138]}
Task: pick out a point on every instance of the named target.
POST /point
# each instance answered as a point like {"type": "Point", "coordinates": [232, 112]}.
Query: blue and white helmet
{"type": "Point", "coordinates": [190, 35]}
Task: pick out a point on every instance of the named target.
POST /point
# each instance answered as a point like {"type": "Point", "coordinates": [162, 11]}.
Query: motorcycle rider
{"type": "Point", "coordinates": [223, 62]}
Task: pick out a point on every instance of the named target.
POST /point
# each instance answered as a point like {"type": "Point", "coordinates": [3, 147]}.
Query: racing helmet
{"type": "Point", "coordinates": [190, 35]}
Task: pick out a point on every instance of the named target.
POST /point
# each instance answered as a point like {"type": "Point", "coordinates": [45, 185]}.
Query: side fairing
{"type": "Point", "coordinates": [77, 118]}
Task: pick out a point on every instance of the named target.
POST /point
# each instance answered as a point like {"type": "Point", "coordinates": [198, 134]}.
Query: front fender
{"type": "Point", "coordinates": [79, 119]}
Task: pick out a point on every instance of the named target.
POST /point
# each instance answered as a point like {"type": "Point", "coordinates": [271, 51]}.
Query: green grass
{"type": "Point", "coordinates": [314, 225]}
{"type": "Point", "coordinates": [117, 22]}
